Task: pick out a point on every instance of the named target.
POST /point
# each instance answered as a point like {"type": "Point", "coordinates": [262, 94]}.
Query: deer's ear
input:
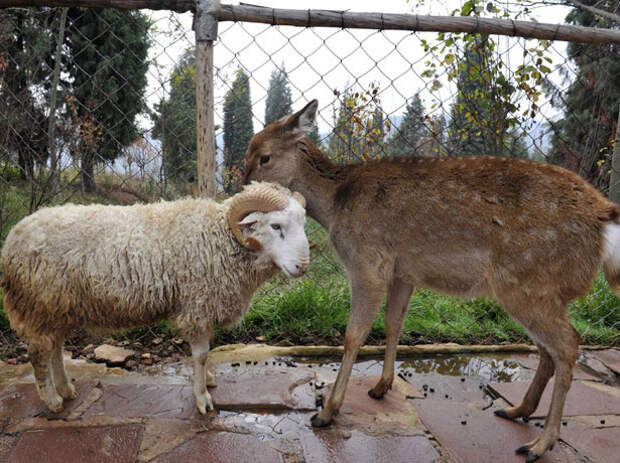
{"type": "Point", "coordinates": [303, 120]}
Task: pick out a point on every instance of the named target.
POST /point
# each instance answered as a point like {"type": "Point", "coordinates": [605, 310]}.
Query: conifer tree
{"type": "Point", "coordinates": [175, 124]}
{"type": "Point", "coordinates": [407, 139]}
{"type": "Point", "coordinates": [108, 65]}
{"type": "Point", "coordinates": [279, 102]}
{"type": "Point", "coordinates": [238, 128]}
{"type": "Point", "coordinates": [584, 135]}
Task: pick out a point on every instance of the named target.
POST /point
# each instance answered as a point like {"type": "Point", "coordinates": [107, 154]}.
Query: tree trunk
{"type": "Point", "coordinates": [51, 126]}
{"type": "Point", "coordinates": [614, 181]}
{"type": "Point", "coordinates": [88, 172]}
{"type": "Point", "coordinates": [25, 162]}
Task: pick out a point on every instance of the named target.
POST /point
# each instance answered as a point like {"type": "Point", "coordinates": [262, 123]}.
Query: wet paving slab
{"type": "Point", "coordinates": [265, 403]}
{"type": "Point", "coordinates": [598, 444]}
{"type": "Point", "coordinates": [393, 413]}
{"type": "Point", "coordinates": [530, 361]}
{"type": "Point", "coordinates": [101, 444]}
{"type": "Point", "coordinates": [21, 400]}
{"type": "Point", "coordinates": [222, 447]}
{"type": "Point", "coordinates": [325, 446]}
{"type": "Point", "coordinates": [144, 400]}
{"type": "Point", "coordinates": [6, 446]}
{"type": "Point", "coordinates": [271, 390]}
{"type": "Point", "coordinates": [583, 398]}
{"type": "Point", "coordinates": [470, 434]}
{"type": "Point", "coordinates": [610, 358]}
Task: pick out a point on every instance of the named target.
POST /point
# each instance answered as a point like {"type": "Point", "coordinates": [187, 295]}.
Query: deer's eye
{"type": "Point", "coordinates": [264, 159]}
{"type": "Point", "coordinates": [275, 226]}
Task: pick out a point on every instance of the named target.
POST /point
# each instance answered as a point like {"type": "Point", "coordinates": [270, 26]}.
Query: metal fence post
{"type": "Point", "coordinates": [205, 26]}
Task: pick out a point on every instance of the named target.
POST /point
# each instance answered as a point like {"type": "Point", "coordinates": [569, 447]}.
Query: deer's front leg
{"type": "Point", "coordinates": [365, 302]}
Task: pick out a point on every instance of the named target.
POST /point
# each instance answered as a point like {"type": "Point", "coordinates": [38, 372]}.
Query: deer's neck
{"type": "Point", "coordinates": [318, 181]}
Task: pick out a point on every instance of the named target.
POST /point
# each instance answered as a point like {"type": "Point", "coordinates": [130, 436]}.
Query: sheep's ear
{"type": "Point", "coordinates": [250, 243]}
{"type": "Point", "coordinates": [253, 244]}
{"type": "Point", "coordinates": [303, 120]}
{"type": "Point", "coordinates": [247, 223]}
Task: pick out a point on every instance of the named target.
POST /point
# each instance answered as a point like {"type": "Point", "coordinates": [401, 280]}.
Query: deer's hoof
{"type": "Point", "coordinates": [318, 422]}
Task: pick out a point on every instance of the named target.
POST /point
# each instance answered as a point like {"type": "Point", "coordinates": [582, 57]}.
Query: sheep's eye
{"type": "Point", "coordinates": [275, 226]}
{"type": "Point", "coordinates": [264, 159]}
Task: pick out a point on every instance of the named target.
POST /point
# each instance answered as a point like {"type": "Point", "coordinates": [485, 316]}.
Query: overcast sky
{"type": "Point", "coordinates": [321, 60]}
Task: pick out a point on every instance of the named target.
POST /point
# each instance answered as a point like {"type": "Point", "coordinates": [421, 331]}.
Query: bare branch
{"type": "Point", "coordinates": [174, 5]}
{"type": "Point", "coordinates": [596, 11]}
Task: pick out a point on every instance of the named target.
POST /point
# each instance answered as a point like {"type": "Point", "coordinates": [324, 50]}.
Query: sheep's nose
{"type": "Point", "coordinates": [301, 269]}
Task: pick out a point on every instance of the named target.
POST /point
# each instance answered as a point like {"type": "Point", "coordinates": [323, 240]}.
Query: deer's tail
{"type": "Point", "coordinates": [611, 254]}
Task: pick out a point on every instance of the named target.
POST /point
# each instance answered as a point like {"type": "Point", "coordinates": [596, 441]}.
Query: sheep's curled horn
{"type": "Point", "coordinates": [256, 199]}
{"type": "Point", "coordinates": [299, 197]}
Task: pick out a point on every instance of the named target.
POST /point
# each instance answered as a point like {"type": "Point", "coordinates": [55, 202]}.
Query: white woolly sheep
{"type": "Point", "coordinates": [194, 262]}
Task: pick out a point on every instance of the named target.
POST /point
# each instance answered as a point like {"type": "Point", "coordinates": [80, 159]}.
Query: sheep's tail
{"type": "Point", "coordinates": [611, 254]}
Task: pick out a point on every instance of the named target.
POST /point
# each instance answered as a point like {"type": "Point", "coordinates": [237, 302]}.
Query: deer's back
{"type": "Point", "coordinates": [453, 224]}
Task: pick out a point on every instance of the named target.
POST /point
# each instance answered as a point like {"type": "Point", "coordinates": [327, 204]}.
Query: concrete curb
{"type": "Point", "coordinates": [369, 351]}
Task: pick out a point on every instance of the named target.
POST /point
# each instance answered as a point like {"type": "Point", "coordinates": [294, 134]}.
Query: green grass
{"type": "Point", "coordinates": [4, 321]}
{"type": "Point", "coordinates": [314, 310]}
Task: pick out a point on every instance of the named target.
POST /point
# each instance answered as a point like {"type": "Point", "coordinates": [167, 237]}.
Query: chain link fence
{"type": "Point", "coordinates": [99, 106]}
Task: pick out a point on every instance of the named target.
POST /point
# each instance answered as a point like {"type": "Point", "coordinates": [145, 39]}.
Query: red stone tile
{"type": "Point", "coordinates": [272, 390]}
{"type": "Point", "coordinates": [598, 444]}
{"type": "Point", "coordinates": [142, 400]}
{"type": "Point", "coordinates": [6, 446]}
{"type": "Point", "coordinates": [581, 399]}
{"type": "Point", "coordinates": [21, 401]}
{"type": "Point", "coordinates": [222, 447]}
{"type": "Point", "coordinates": [357, 401]}
{"type": "Point", "coordinates": [530, 361]}
{"type": "Point", "coordinates": [101, 444]}
{"type": "Point", "coordinates": [610, 357]}
{"type": "Point", "coordinates": [328, 446]}
{"type": "Point", "coordinates": [473, 435]}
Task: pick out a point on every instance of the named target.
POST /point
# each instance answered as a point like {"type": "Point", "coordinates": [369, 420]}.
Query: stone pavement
{"type": "Point", "coordinates": [440, 409]}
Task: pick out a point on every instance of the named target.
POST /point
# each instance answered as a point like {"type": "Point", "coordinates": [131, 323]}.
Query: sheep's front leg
{"type": "Point", "coordinates": [200, 350]}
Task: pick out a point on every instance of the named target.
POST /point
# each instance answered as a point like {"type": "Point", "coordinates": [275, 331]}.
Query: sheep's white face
{"type": "Point", "coordinates": [281, 236]}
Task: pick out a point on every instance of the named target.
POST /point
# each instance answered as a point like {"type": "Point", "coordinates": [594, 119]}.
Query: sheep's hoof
{"type": "Point", "coordinates": [374, 395]}
{"type": "Point", "coordinates": [210, 381]}
{"type": "Point", "coordinates": [68, 393]}
{"type": "Point", "coordinates": [54, 403]}
{"type": "Point", "coordinates": [318, 422]}
{"type": "Point", "coordinates": [204, 403]}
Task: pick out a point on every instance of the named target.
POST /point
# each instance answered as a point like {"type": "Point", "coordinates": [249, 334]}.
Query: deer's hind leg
{"type": "Point", "coordinates": [549, 326]}
{"type": "Point", "coordinates": [530, 402]}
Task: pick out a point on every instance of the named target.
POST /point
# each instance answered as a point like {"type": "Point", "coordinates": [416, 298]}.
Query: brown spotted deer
{"type": "Point", "coordinates": [530, 235]}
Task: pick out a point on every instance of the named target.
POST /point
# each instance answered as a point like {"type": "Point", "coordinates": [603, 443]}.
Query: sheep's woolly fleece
{"type": "Point", "coordinates": [114, 267]}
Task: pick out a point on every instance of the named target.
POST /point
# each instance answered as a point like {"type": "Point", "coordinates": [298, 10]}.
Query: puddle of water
{"type": "Point", "coordinates": [495, 368]}
{"type": "Point", "coordinates": [488, 368]}
{"type": "Point", "coordinates": [491, 367]}
{"type": "Point", "coordinates": [265, 426]}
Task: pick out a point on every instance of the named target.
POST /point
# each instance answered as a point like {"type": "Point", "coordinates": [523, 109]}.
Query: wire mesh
{"type": "Point", "coordinates": [121, 127]}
